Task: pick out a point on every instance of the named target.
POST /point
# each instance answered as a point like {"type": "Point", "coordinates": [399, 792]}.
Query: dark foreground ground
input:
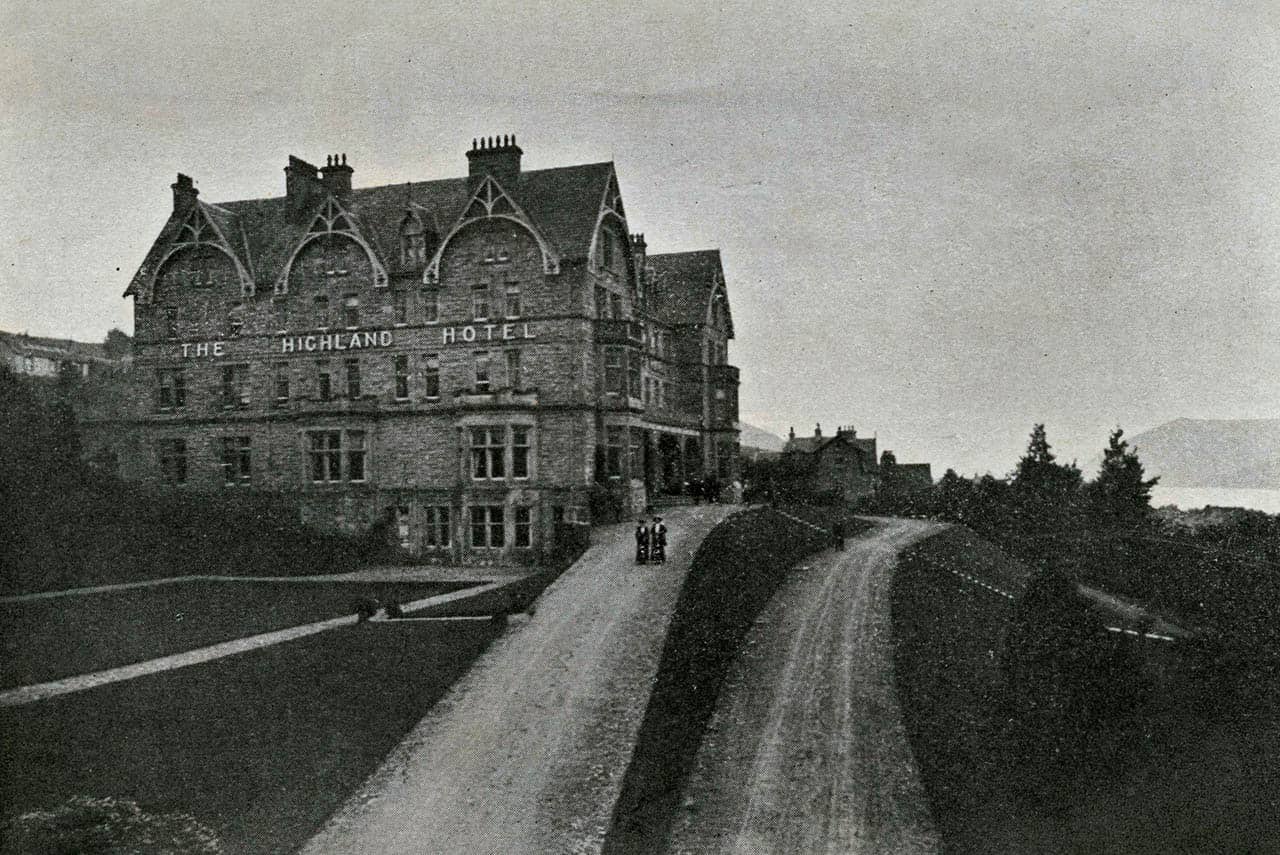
{"type": "Point", "coordinates": [47, 639]}
{"type": "Point", "coordinates": [261, 746]}
{"type": "Point", "coordinates": [1189, 764]}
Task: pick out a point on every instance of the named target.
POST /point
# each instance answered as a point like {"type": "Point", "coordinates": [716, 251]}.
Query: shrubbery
{"type": "Point", "coordinates": [1216, 572]}
{"type": "Point", "coordinates": [69, 524]}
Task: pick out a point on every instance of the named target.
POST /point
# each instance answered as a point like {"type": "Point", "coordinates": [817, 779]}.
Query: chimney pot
{"type": "Point", "coordinates": [336, 175]}
{"type": "Point", "coordinates": [498, 156]}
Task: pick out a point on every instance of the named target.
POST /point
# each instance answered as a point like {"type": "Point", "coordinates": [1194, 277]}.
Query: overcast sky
{"type": "Point", "coordinates": [940, 222]}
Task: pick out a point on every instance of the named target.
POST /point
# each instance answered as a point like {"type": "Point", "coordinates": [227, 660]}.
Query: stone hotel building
{"type": "Point", "coordinates": [476, 357]}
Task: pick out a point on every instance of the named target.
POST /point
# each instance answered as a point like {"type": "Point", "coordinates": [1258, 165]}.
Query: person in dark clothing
{"type": "Point", "coordinates": [366, 608]}
{"type": "Point", "coordinates": [642, 543]}
{"type": "Point", "coordinates": [658, 541]}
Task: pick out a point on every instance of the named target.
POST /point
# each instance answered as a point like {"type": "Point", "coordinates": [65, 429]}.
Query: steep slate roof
{"type": "Point", "coordinates": [54, 348]}
{"type": "Point", "coordinates": [563, 203]}
{"type": "Point", "coordinates": [815, 444]}
{"type": "Point", "coordinates": [681, 286]}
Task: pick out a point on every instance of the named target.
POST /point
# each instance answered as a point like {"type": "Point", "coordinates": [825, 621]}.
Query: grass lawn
{"type": "Point", "coordinates": [261, 746]}
{"type": "Point", "coordinates": [1189, 767]}
{"type": "Point", "coordinates": [514, 597]}
{"type": "Point", "coordinates": [63, 636]}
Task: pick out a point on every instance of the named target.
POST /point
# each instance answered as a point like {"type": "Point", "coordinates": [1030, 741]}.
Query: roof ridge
{"type": "Point", "coordinates": [401, 184]}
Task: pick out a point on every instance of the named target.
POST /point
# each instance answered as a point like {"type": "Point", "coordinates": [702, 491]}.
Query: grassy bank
{"type": "Point", "coordinates": [735, 572]}
{"type": "Point", "coordinates": [58, 637]}
{"type": "Point", "coordinates": [1182, 766]}
{"type": "Point", "coordinates": [262, 746]}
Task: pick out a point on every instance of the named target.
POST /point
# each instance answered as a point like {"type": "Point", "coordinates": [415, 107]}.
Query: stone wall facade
{"type": "Point", "coordinates": [470, 384]}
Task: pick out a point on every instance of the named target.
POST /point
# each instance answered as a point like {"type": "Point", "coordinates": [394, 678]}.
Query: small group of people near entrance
{"type": "Point", "coordinates": [651, 542]}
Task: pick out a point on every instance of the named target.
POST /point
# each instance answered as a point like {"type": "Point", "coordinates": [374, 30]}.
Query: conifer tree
{"type": "Point", "coordinates": [1120, 496]}
{"type": "Point", "coordinates": [1044, 493]}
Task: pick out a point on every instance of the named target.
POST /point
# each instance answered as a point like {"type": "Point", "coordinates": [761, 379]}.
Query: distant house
{"type": "Point", "coordinates": [31, 356]}
{"type": "Point", "coordinates": [842, 462]}
{"type": "Point", "coordinates": [904, 476]}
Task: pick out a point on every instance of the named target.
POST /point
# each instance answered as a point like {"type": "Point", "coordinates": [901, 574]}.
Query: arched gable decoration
{"type": "Point", "coordinates": [490, 201]}
{"type": "Point", "coordinates": [199, 229]}
{"type": "Point", "coordinates": [718, 303]}
{"type": "Point", "coordinates": [611, 207]}
{"type": "Point", "coordinates": [333, 219]}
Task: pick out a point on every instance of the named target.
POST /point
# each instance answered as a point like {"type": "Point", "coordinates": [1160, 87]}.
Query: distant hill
{"type": "Point", "coordinates": [1243, 453]}
{"type": "Point", "coordinates": [754, 437]}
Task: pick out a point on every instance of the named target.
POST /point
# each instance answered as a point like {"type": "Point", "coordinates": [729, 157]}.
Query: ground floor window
{"type": "Point", "coordinates": [524, 527]}
{"type": "Point", "coordinates": [402, 526]}
{"type": "Point", "coordinates": [488, 526]}
{"type": "Point", "coordinates": [437, 533]}
{"type": "Point", "coordinates": [236, 460]}
{"type": "Point", "coordinates": [173, 460]}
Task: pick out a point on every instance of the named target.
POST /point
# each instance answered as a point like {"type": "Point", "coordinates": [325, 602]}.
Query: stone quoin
{"type": "Point", "coordinates": [469, 360]}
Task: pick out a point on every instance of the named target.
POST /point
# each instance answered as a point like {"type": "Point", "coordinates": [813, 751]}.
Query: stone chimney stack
{"type": "Point", "coordinates": [301, 183]}
{"type": "Point", "coordinates": [497, 156]}
{"type": "Point", "coordinates": [184, 193]}
{"type": "Point", "coordinates": [817, 430]}
{"type": "Point", "coordinates": [792, 433]}
{"type": "Point", "coordinates": [639, 251]}
{"type": "Point", "coordinates": [336, 176]}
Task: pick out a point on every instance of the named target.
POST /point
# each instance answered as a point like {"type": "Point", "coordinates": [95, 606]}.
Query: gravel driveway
{"type": "Point", "coordinates": [806, 752]}
{"type": "Point", "coordinates": [527, 752]}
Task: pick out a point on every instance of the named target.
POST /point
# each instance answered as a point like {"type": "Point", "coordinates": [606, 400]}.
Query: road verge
{"type": "Point", "coordinates": [737, 569]}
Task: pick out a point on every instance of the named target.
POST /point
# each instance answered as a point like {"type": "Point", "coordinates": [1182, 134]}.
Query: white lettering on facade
{"type": "Point", "coordinates": [336, 341]}
{"type": "Point", "coordinates": [506, 332]}
{"type": "Point", "coordinates": [202, 349]}
{"type": "Point", "coordinates": [217, 348]}
{"type": "Point", "coordinates": [185, 349]}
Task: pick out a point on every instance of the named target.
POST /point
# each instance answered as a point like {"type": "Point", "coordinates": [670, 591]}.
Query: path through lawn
{"type": "Point", "coordinates": [48, 639]}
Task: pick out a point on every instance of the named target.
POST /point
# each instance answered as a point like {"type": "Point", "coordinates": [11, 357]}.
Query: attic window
{"type": "Point", "coordinates": [413, 242]}
{"type": "Point", "coordinates": [606, 249]}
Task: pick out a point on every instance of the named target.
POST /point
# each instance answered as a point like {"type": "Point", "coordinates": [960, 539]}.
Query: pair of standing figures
{"type": "Point", "coordinates": [651, 542]}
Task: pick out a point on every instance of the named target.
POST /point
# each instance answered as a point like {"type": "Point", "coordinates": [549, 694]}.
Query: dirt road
{"type": "Point", "coordinates": [527, 752]}
{"type": "Point", "coordinates": [806, 752]}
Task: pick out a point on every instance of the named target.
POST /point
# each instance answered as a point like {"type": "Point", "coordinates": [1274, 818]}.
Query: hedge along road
{"type": "Point", "coordinates": [527, 752]}
{"type": "Point", "coordinates": [806, 752]}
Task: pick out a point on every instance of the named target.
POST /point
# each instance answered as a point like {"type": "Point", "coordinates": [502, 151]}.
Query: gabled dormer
{"type": "Point", "coordinates": [333, 246]}
{"type": "Point", "coordinates": [201, 247]}
{"type": "Point", "coordinates": [491, 201]}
